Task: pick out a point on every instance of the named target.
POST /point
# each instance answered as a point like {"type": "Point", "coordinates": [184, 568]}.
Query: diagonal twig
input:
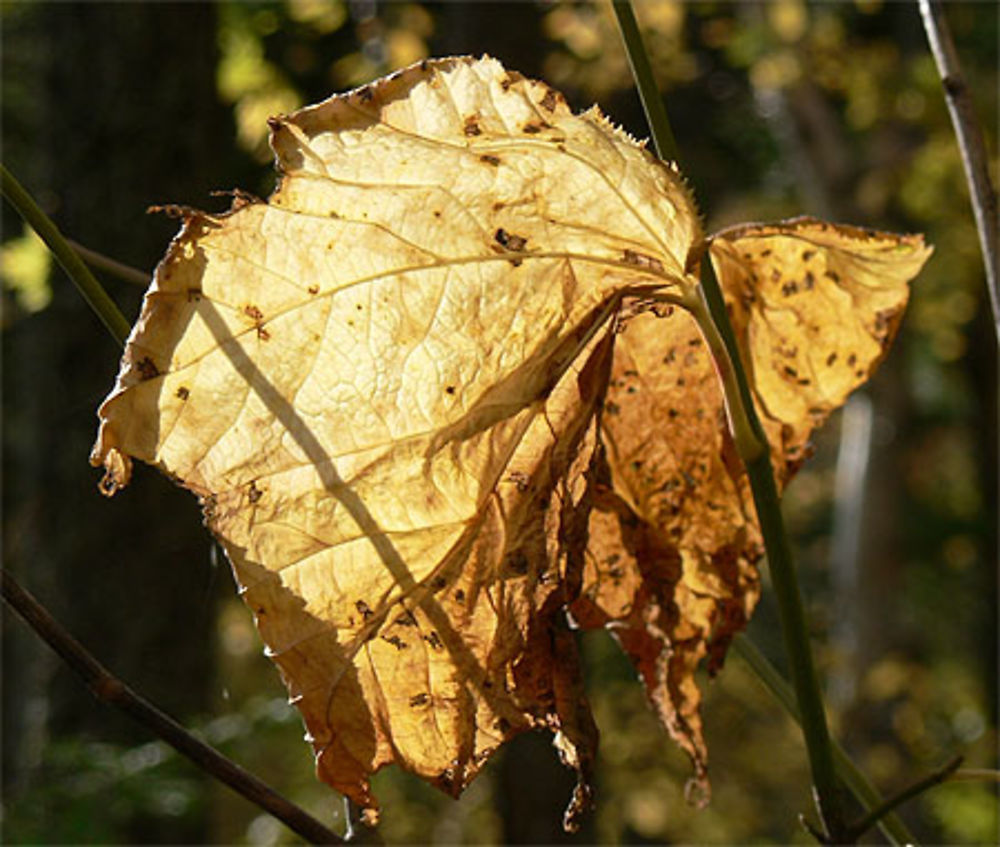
{"type": "Point", "coordinates": [875, 815]}
{"type": "Point", "coordinates": [112, 266]}
{"type": "Point", "coordinates": [109, 689]}
{"type": "Point", "coordinates": [969, 134]}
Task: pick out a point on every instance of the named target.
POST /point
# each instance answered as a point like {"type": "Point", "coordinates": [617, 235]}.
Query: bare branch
{"type": "Point", "coordinates": [970, 141]}
{"type": "Point", "coordinates": [109, 689]}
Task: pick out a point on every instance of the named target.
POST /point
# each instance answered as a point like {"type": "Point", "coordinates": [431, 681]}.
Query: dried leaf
{"type": "Point", "coordinates": [673, 536]}
{"type": "Point", "coordinates": [431, 396]}
{"type": "Point", "coordinates": [383, 386]}
{"type": "Point", "coordinates": [816, 306]}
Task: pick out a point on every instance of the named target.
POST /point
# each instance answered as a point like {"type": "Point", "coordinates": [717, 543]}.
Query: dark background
{"type": "Point", "coordinates": [779, 109]}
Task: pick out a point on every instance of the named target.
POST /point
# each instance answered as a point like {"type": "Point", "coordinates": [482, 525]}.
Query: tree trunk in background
{"type": "Point", "coordinates": [130, 578]}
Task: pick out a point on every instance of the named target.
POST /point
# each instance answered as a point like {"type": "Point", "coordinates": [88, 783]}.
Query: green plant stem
{"type": "Point", "coordinates": [784, 579]}
{"type": "Point", "coordinates": [891, 825]}
{"type": "Point", "coordinates": [88, 286]}
{"type": "Point", "coordinates": [714, 322]}
{"type": "Point", "coordinates": [109, 689]}
{"type": "Point", "coordinates": [642, 73]}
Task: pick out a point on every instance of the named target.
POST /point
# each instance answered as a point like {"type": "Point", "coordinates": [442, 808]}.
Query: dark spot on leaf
{"type": "Point", "coordinates": [789, 288]}
{"type": "Point", "coordinates": [641, 260]}
{"type": "Point", "coordinates": [502, 724]}
{"type": "Point", "coordinates": [765, 253]}
{"type": "Point", "coordinates": [490, 159]}
{"type": "Point", "coordinates": [253, 312]}
{"type": "Point", "coordinates": [831, 359]}
{"type": "Point", "coordinates": [438, 583]}
{"type": "Point", "coordinates": [510, 241]}
{"type": "Point", "coordinates": [672, 413]}
{"type": "Point", "coordinates": [852, 360]}
{"type": "Point", "coordinates": [807, 255]}
{"type": "Point", "coordinates": [406, 619]}
{"type": "Point", "coordinates": [424, 65]}
{"type": "Point", "coordinates": [459, 595]}
{"type": "Point", "coordinates": [254, 494]}
{"type": "Point", "coordinates": [395, 641]}
{"type": "Point", "coordinates": [612, 408]}
{"type": "Point", "coordinates": [434, 640]}
{"type": "Point", "coordinates": [471, 127]}
{"type": "Point", "coordinates": [810, 280]}
{"type": "Point", "coordinates": [832, 275]}
{"type": "Point", "coordinates": [506, 83]}
{"type": "Point", "coordinates": [790, 371]}
{"type": "Point", "coordinates": [363, 609]}
{"type": "Point", "coordinates": [263, 334]}
{"type": "Point", "coordinates": [418, 700]}
{"type": "Point", "coordinates": [551, 98]}
{"type": "Point", "coordinates": [193, 295]}
{"type": "Point", "coordinates": [313, 289]}
{"type": "Point", "coordinates": [365, 95]}
{"type": "Point", "coordinates": [183, 393]}
{"type": "Point", "coordinates": [437, 213]}
{"type": "Point", "coordinates": [449, 389]}
{"type": "Point", "coordinates": [147, 368]}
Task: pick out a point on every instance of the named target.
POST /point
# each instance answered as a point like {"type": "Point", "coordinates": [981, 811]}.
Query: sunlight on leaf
{"type": "Point", "coordinates": [439, 406]}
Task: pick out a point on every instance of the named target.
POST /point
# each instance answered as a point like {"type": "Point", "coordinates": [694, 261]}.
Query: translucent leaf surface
{"type": "Point", "coordinates": [433, 395]}
{"type": "Point", "coordinates": [383, 385]}
{"type": "Point", "coordinates": [673, 537]}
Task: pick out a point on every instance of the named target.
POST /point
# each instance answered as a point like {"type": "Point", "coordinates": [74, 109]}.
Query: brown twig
{"type": "Point", "coordinates": [112, 266]}
{"type": "Point", "coordinates": [970, 142]}
{"type": "Point", "coordinates": [868, 821]}
{"type": "Point", "coordinates": [109, 689]}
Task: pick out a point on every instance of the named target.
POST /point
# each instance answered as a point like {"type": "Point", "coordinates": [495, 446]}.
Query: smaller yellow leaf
{"type": "Point", "coordinates": [674, 541]}
{"type": "Point", "coordinates": [816, 306]}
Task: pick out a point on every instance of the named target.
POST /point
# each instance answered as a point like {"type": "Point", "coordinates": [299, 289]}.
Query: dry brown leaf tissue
{"type": "Point", "coordinates": [438, 409]}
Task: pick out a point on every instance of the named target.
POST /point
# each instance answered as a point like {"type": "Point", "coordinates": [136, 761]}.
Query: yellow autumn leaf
{"type": "Point", "coordinates": [674, 538]}
{"type": "Point", "coordinates": [433, 397]}
{"type": "Point", "coordinates": [383, 385]}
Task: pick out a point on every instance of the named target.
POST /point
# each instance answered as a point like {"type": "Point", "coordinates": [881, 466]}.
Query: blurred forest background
{"type": "Point", "coordinates": [780, 108]}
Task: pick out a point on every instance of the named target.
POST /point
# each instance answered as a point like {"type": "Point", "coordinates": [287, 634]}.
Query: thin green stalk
{"type": "Point", "coordinates": [784, 579]}
{"type": "Point", "coordinates": [642, 73]}
{"type": "Point", "coordinates": [891, 825]}
{"type": "Point", "coordinates": [97, 298]}
{"type": "Point", "coordinates": [712, 318]}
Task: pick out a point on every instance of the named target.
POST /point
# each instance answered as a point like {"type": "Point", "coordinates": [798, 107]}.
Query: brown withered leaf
{"type": "Point", "coordinates": [673, 535]}
{"type": "Point", "coordinates": [432, 395]}
{"type": "Point", "coordinates": [383, 385]}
